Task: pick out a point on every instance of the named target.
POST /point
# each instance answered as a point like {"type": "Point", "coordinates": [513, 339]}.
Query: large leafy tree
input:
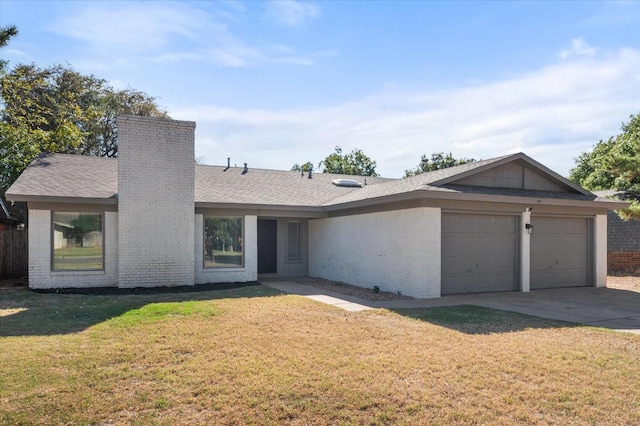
{"type": "Point", "coordinates": [354, 163]}
{"type": "Point", "coordinates": [58, 110]}
{"type": "Point", "coordinates": [614, 164]}
{"type": "Point", "coordinates": [438, 160]}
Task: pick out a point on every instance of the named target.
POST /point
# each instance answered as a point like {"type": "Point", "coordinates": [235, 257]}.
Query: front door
{"type": "Point", "coordinates": [267, 246]}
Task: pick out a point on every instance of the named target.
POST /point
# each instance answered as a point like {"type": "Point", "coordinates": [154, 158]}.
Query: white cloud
{"type": "Point", "coordinates": [552, 114]}
{"type": "Point", "coordinates": [579, 47]}
{"type": "Point", "coordinates": [290, 13]}
{"type": "Point", "coordinates": [173, 32]}
{"type": "Point", "coordinates": [141, 27]}
{"type": "Point", "coordinates": [15, 53]}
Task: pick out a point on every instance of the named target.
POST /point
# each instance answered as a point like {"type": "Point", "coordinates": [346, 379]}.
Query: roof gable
{"type": "Point", "coordinates": [516, 171]}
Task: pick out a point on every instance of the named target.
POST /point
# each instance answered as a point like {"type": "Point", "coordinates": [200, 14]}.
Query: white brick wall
{"type": "Point", "coordinates": [396, 250]}
{"type": "Point", "coordinates": [156, 179]}
{"type": "Point", "coordinates": [600, 249]}
{"type": "Point", "coordinates": [525, 253]}
{"type": "Point", "coordinates": [247, 273]}
{"type": "Point", "coordinates": [40, 274]}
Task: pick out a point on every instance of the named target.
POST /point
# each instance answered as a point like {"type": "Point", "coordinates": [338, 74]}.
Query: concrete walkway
{"type": "Point", "coordinates": [599, 307]}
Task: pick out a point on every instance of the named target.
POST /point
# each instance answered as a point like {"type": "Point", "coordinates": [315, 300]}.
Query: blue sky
{"type": "Point", "coordinates": [281, 82]}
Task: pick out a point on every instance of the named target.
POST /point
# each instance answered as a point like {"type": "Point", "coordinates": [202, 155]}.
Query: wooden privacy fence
{"type": "Point", "coordinates": [13, 253]}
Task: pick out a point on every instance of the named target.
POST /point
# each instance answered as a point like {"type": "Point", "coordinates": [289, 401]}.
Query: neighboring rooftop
{"type": "Point", "coordinates": [622, 235]}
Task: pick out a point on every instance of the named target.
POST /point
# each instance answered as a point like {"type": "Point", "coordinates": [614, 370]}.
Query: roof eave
{"type": "Point", "coordinates": [113, 200]}
{"type": "Point", "coordinates": [307, 211]}
{"type": "Point", "coordinates": [504, 199]}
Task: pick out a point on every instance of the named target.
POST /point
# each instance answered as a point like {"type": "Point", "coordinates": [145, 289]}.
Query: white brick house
{"type": "Point", "coordinates": [155, 218]}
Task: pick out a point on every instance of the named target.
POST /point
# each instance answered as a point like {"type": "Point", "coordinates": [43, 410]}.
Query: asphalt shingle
{"type": "Point", "coordinates": [69, 176]}
{"type": "Point", "coordinates": [83, 177]}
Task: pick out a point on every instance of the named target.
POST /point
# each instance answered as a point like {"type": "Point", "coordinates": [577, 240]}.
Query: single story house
{"type": "Point", "coordinates": [152, 217]}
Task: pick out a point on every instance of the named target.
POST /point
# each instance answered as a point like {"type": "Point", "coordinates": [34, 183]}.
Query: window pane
{"type": "Point", "coordinates": [293, 246]}
{"type": "Point", "coordinates": [77, 242]}
{"type": "Point", "coordinates": [223, 244]}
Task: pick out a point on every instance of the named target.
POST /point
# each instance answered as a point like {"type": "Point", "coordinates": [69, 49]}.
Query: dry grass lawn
{"type": "Point", "coordinates": [253, 356]}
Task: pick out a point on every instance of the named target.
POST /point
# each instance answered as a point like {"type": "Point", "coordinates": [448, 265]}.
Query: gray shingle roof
{"type": "Point", "coordinates": [424, 181]}
{"type": "Point", "coordinates": [621, 235]}
{"type": "Point", "coordinates": [83, 177]}
{"type": "Point", "coordinates": [69, 176]}
{"type": "Point", "coordinates": [271, 187]}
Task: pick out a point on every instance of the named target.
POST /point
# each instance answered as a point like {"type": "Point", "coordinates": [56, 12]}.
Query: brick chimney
{"type": "Point", "coordinates": [156, 205]}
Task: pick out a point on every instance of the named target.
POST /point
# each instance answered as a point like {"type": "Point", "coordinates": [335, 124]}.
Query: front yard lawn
{"type": "Point", "coordinates": [254, 356]}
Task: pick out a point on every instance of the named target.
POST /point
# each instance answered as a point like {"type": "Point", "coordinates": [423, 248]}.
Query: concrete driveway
{"type": "Point", "coordinates": [599, 307]}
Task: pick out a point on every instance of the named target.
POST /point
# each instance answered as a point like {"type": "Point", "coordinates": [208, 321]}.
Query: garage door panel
{"type": "Point", "coordinates": [478, 253]}
{"type": "Point", "coordinates": [503, 264]}
{"type": "Point", "coordinates": [461, 244]}
{"type": "Point", "coordinates": [460, 265]}
{"type": "Point", "coordinates": [504, 244]}
{"type": "Point", "coordinates": [559, 252]}
{"type": "Point", "coordinates": [560, 226]}
{"type": "Point", "coordinates": [558, 243]}
{"type": "Point", "coordinates": [554, 278]}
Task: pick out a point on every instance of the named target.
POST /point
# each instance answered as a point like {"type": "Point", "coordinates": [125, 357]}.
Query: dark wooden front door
{"type": "Point", "coordinates": [267, 246]}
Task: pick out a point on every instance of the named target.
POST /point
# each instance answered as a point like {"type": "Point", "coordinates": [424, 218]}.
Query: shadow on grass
{"type": "Point", "coordinates": [24, 312]}
{"type": "Point", "coordinates": [470, 319]}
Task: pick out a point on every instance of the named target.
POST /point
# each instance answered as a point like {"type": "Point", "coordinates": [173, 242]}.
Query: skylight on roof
{"type": "Point", "coordinates": [348, 183]}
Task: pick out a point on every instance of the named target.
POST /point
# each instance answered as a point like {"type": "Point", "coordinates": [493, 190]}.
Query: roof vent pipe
{"type": "Point", "coordinates": [310, 177]}
{"type": "Point", "coordinates": [228, 164]}
{"type": "Point", "coordinates": [244, 172]}
{"type": "Point", "coordinates": [301, 172]}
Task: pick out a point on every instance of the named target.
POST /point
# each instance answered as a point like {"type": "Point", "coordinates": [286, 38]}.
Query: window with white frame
{"type": "Point", "coordinates": [223, 243]}
{"type": "Point", "coordinates": [294, 241]}
{"type": "Point", "coordinates": [77, 241]}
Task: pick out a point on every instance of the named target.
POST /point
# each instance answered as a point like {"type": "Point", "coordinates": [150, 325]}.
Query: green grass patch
{"type": "Point", "coordinates": [478, 319]}
{"type": "Point", "coordinates": [164, 311]}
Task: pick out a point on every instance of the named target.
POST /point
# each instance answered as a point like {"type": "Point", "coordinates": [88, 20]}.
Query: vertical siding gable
{"type": "Point", "coordinates": [511, 175]}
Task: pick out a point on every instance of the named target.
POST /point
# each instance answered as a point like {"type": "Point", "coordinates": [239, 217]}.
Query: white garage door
{"type": "Point", "coordinates": [559, 252]}
{"type": "Point", "coordinates": [478, 253]}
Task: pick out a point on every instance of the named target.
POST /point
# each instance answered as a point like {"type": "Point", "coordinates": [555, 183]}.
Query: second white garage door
{"type": "Point", "coordinates": [478, 253]}
{"type": "Point", "coordinates": [559, 252]}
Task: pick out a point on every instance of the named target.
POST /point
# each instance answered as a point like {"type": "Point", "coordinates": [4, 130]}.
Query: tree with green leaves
{"type": "Point", "coordinates": [354, 163]}
{"type": "Point", "coordinates": [614, 164]}
{"type": "Point", "coordinates": [438, 160]}
{"type": "Point", "coordinates": [6, 33]}
{"type": "Point", "coordinates": [58, 110]}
